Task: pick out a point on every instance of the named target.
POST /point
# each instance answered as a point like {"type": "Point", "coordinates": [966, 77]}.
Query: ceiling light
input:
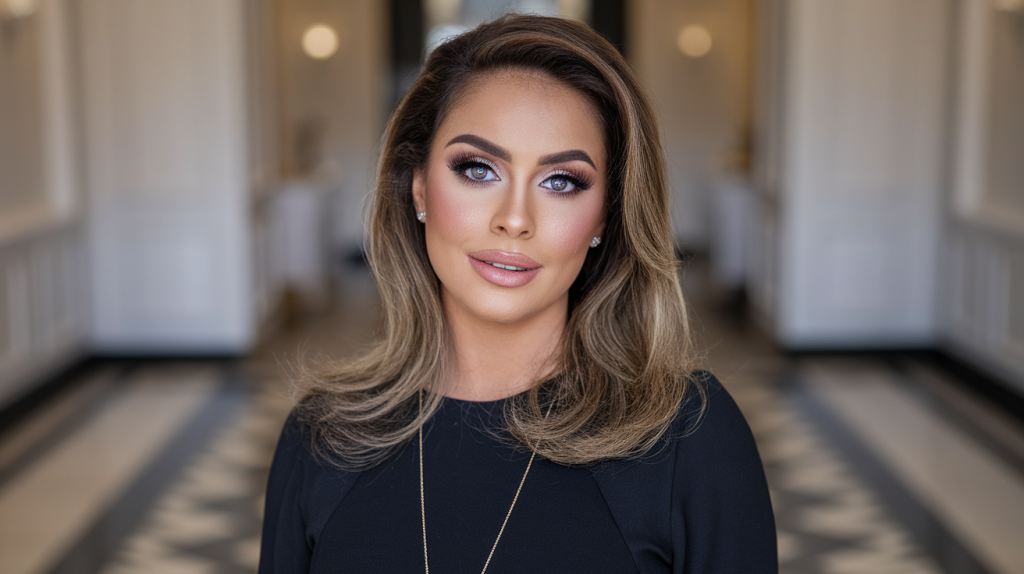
{"type": "Point", "coordinates": [694, 41]}
{"type": "Point", "coordinates": [14, 9]}
{"type": "Point", "coordinates": [1009, 5]}
{"type": "Point", "coordinates": [320, 41]}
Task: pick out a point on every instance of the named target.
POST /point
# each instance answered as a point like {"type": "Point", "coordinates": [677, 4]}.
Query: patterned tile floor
{"type": "Point", "coordinates": [209, 519]}
{"type": "Point", "coordinates": [830, 519]}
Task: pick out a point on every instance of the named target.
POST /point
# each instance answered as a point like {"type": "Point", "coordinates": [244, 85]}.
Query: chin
{"type": "Point", "coordinates": [502, 307]}
{"type": "Point", "coordinates": [499, 309]}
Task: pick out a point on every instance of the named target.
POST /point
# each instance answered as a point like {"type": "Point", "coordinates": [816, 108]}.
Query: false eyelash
{"type": "Point", "coordinates": [461, 162]}
{"type": "Point", "coordinates": [579, 181]}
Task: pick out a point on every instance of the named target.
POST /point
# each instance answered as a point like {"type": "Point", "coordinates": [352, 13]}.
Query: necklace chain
{"type": "Point", "coordinates": [423, 506]}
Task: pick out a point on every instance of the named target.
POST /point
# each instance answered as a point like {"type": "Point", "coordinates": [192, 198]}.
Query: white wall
{"type": "Point", "coordinates": [854, 134]}
{"type": "Point", "coordinates": [21, 114]}
{"type": "Point", "coordinates": [169, 175]}
{"type": "Point", "coordinates": [43, 308]}
{"type": "Point", "coordinates": [703, 104]}
{"type": "Point", "coordinates": [265, 161]}
{"type": "Point", "coordinates": [982, 307]}
{"type": "Point", "coordinates": [1005, 165]}
{"type": "Point", "coordinates": [346, 93]}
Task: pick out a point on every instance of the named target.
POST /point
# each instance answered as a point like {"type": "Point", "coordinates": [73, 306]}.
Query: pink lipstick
{"type": "Point", "coordinates": [504, 269]}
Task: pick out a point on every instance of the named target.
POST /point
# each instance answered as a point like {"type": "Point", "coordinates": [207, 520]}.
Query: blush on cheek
{"type": "Point", "coordinates": [575, 233]}
{"type": "Point", "coordinates": [451, 211]}
{"type": "Point", "coordinates": [452, 221]}
{"type": "Point", "coordinates": [572, 229]}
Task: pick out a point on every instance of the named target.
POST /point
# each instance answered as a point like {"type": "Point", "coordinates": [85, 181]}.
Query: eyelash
{"type": "Point", "coordinates": [579, 182]}
{"type": "Point", "coordinates": [461, 162]}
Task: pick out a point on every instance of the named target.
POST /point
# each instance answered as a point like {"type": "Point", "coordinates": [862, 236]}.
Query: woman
{"type": "Point", "coordinates": [532, 406]}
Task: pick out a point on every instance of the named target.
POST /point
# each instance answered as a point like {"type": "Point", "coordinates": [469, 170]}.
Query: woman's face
{"type": "Point", "coordinates": [514, 192]}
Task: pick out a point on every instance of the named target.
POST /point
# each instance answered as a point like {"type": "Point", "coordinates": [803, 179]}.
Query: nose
{"type": "Point", "coordinates": [514, 214]}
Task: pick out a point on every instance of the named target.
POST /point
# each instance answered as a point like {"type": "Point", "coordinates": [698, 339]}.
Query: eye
{"type": "Point", "coordinates": [566, 183]}
{"type": "Point", "coordinates": [473, 169]}
{"type": "Point", "coordinates": [559, 183]}
{"type": "Point", "coordinates": [479, 172]}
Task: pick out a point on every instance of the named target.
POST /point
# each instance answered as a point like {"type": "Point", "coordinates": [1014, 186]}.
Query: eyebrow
{"type": "Point", "coordinates": [503, 154]}
{"type": "Point", "coordinates": [572, 155]}
{"type": "Point", "coordinates": [479, 142]}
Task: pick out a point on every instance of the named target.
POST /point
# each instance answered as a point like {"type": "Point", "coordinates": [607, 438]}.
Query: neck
{"type": "Point", "coordinates": [495, 360]}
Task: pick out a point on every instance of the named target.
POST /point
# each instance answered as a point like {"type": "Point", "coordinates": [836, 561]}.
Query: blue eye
{"type": "Point", "coordinates": [473, 169]}
{"type": "Point", "coordinates": [479, 172]}
{"type": "Point", "coordinates": [566, 183]}
{"type": "Point", "coordinates": [560, 183]}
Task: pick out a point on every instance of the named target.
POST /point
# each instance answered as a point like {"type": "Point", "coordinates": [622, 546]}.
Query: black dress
{"type": "Point", "coordinates": [698, 505]}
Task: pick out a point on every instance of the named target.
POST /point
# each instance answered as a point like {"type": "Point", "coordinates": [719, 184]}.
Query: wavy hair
{"type": "Point", "coordinates": [626, 355]}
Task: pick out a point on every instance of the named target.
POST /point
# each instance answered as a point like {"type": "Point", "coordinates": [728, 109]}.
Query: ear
{"type": "Point", "coordinates": [419, 189]}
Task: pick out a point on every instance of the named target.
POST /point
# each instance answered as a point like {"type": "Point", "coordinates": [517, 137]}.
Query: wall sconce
{"type": "Point", "coordinates": [16, 9]}
{"type": "Point", "coordinates": [694, 41]}
{"type": "Point", "coordinates": [320, 41]}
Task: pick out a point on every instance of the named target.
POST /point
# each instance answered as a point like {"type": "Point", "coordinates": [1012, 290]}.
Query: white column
{"type": "Point", "coordinates": [43, 307]}
{"type": "Point", "coordinates": [983, 267]}
{"type": "Point", "coordinates": [851, 170]}
{"type": "Point", "coordinates": [167, 155]}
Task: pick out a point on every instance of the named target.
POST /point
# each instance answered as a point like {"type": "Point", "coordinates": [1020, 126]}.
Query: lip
{"type": "Point", "coordinates": [480, 260]}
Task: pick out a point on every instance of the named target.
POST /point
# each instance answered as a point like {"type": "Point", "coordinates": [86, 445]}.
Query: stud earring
{"type": "Point", "coordinates": [421, 215]}
{"type": "Point", "coordinates": [595, 242]}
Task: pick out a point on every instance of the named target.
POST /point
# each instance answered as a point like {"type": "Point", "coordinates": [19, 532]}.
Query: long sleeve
{"type": "Point", "coordinates": [701, 506]}
{"type": "Point", "coordinates": [284, 548]}
{"type": "Point", "coordinates": [722, 515]}
{"type": "Point", "coordinates": [302, 495]}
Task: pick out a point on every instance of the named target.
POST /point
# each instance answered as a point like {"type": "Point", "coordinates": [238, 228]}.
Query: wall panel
{"type": "Point", "coordinates": [41, 302]}
{"type": "Point", "coordinates": [983, 302]}
{"type": "Point", "coordinates": [43, 316]}
{"type": "Point", "coordinates": [851, 130]}
{"type": "Point", "coordinates": [22, 156]}
{"type": "Point", "coordinates": [169, 175]}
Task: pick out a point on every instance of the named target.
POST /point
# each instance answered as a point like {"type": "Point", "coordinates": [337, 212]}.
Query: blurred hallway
{"type": "Point", "coordinates": [877, 463]}
{"type": "Point", "coordinates": [182, 193]}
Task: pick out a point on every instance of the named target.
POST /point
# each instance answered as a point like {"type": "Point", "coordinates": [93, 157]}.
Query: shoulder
{"type": "Point", "coordinates": [293, 445]}
{"type": "Point", "coordinates": [714, 447]}
{"type": "Point", "coordinates": [712, 442]}
{"type": "Point", "coordinates": [296, 457]}
{"type": "Point", "coordinates": [303, 490]}
{"type": "Point", "coordinates": [302, 494]}
{"type": "Point", "coordinates": [708, 417]}
{"type": "Point", "coordinates": [699, 501]}
{"type": "Point", "coordinates": [722, 514]}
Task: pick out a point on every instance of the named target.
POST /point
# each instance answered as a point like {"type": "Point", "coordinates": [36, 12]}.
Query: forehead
{"type": "Point", "coordinates": [525, 109]}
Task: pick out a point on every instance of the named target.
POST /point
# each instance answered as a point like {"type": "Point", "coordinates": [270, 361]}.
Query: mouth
{"type": "Point", "coordinates": [503, 268]}
{"type": "Point", "coordinates": [507, 267]}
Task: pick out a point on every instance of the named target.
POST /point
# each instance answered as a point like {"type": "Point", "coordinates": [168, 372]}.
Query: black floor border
{"type": "Point", "coordinates": [951, 412]}
{"type": "Point", "coordinates": [931, 534]}
{"type": "Point", "coordinates": [997, 391]}
{"type": "Point", "coordinates": [25, 402]}
{"type": "Point", "coordinates": [71, 423]}
{"type": "Point", "coordinates": [104, 538]}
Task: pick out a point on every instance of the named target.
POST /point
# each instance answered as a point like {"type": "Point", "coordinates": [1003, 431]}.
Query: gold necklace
{"type": "Point", "coordinates": [423, 507]}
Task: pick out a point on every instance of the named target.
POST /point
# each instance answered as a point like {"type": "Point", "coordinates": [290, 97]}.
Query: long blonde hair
{"type": "Point", "coordinates": [626, 356]}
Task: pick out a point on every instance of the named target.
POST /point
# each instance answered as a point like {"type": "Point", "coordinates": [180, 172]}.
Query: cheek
{"type": "Point", "coordinates": [570, 228]}
{"type": "Point", "coordinates": [448, 209]}
{"type": "Point", "coordinates": [453, 220]}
